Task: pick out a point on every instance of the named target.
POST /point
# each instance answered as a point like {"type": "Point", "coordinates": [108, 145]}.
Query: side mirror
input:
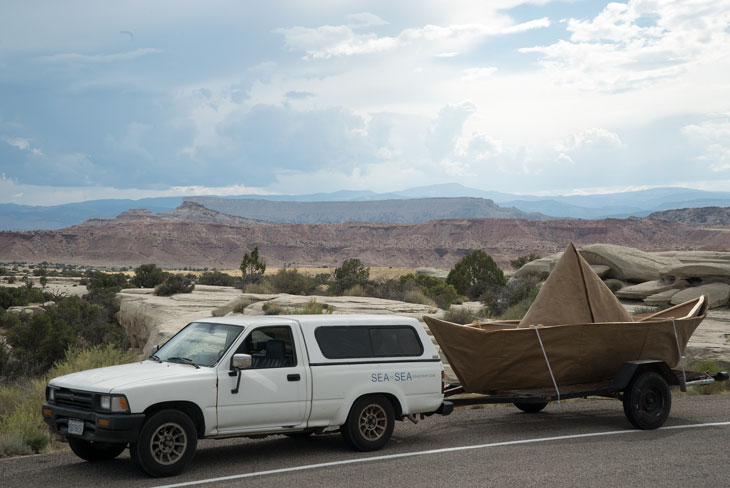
{"type": "Point", "coordinates": [155, 348]}
{"type": "Point", "coordinates": [239, 362]}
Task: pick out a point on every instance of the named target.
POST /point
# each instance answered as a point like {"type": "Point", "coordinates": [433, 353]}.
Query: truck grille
{"type": "Point", "coordinates": [75, 398]}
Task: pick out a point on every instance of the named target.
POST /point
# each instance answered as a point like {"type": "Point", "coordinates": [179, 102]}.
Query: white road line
{"type": "Point", "coordinates": [429, 452]}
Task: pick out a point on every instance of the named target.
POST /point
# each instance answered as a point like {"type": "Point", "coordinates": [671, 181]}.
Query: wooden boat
{"type": "Point", "coordinates": [576, 325]}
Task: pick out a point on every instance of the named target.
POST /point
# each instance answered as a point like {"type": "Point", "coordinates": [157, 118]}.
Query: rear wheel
{"type": "Point", "coordinates": [647, 401]}
{"type": "Point", "coordinates": [166, 444]}
{"type": "Point", "coordinates": [370, 423]}
{"type": "Point", "coordinates": [95, 451]}
{"type": "Point", "coordinates": [530, 407]}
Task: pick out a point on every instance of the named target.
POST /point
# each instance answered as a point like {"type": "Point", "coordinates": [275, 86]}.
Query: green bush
{"type": "Point", "coordinates": [474, 274]}
{"type": "Point", "coordinates": [148, 276]}
{"type": "Point", "coordinates": [272, 308]}
{"type": "Point", "coordinates": [174, 284]}
{"type": "Point", "coordinates": [312, 307]}
{"type": "Point", "coordinates": [416, 295]}
{"type": "Point", "coordinates": [463, 315]}
{"type": "Point", "coordinates": [614, 285]}
{"type": "Point", "coordinates": [498, 300]}
{"type": "Point", "coordinates": [519, 309]}
{"type": "Point", "coordinates": [215, 278]}
{"type": "Point", "coordinates": [350, 274]}
{"type": "Point", "coordinates": [21, 423]}
{"type": "Point", "coordinates": [21, 296]}
{"type": "Point", "coordinates": [292, 282]}
{"type": "Point", "coordinates": [523, 260]}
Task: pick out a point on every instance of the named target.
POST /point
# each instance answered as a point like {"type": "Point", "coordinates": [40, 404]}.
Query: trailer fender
{"type": "Point", "coordinates": [631, 368]}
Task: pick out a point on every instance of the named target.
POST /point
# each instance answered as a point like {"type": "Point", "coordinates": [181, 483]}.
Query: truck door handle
{"type": "Point", "coordinates": [293, 377]}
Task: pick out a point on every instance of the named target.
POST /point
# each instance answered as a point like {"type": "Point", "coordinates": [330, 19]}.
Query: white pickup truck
{"type": "Point", "coordinates": [252, 376]}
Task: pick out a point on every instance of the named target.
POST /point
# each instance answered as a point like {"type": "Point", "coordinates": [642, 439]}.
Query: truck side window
{"type": "Point", "coordinates": [368, 342]}
{"type": "Point", "coordinates": [270, 347]}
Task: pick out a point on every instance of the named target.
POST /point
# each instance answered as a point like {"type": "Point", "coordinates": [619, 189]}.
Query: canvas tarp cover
{"type": "Point", "coordinates": [574, 294]}
{"type": "Point", "coordinates": [586, 334]}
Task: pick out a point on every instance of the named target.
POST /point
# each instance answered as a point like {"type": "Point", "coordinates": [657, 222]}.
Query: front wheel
{"type": "Point", "coordinates": [166, 444]}
{"type": "Point", "coordinates": [530, 407]}
{"type": "Point", "coordinates": [369, 424]}
{"type": "Point", "coordinates": [95, 451]}
{"type": "Point", "coordinates": [647, 401]}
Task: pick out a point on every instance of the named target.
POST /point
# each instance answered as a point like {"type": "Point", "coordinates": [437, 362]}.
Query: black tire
{"type": "Point", "coordinates": [95, 451]}
{"type": "Point", "coordinates": [166, 444]}
{"type": "Point", "coordinates": [369, 424]}
{"type": "Point", "coordinates": [530, 407]}
{"type": "Point", "coordinates": [647, 401]}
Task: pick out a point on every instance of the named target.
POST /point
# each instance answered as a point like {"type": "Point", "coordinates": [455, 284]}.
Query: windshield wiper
{"type": "Point", "coordinates": [184, 361]}
{"type": "Point", "coordinates": [154, 357]}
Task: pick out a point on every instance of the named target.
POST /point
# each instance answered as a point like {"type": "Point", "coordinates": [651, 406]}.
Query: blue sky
{"type": "Point", "coordinates": [135, 99]}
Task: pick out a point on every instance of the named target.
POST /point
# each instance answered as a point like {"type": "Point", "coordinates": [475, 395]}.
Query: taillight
{"type": "Point", "coordinates": [442, 382]}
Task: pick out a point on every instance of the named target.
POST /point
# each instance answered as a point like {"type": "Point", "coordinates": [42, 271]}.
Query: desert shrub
{"type": "Point", "coordinates": [350, 274]}
{"type": "Point", "coordinates": [614, 285]}
{"type": "Point", "coordinates": [416, 295]}
{"type": "Point", "coordinates": [261, 288]}
{"type": "Point", "coordinates": [148, 276]}
{"type": "Point", "coordinates": [292, 282]}
{"type": "Point", "coordinates": [174, 284]}
{"type": "Point", "coordinates": [474, 274]}
{"type": "Point", "coordinates": [216, 278]}
{"type": "Point", "coordinates": [359, 291]}
{"type": "Point", "coordinates": [462, 315]}
{"type": "Point", "coordinates": [21, 296]}
{"type": "Point", "coordinates": [13, 444]}
{"type": "Point", "coordinates": [522, 291]}
{"type": "Point", "coordinates": [519, 309]}
{"type": "Point", "coordinates": [22, 429]}
{"type": "Point", "coordinates": [312, 307]}
{"type": "Point", "coordinates": [519, 262]}
{"type": "Point", "coordinates": [272, 308]}
{"type": "Point", "coordinates": [4, 271]}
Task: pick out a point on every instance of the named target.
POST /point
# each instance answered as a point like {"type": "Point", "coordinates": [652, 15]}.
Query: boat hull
{"type": "Point", "coordinates": [491, 357]}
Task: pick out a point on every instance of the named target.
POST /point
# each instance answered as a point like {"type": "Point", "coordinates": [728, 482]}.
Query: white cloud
{"type": "Point", "coordinates": [714, 137]}
{"type": "Point", "coordinates": [475, 74]}
{"type": "Point", "coordinates": [329, 41]}
{"type": "Point", "coordinates": [594, 138]}
{"type": "Point", "coordinates": [77, 58]}
{"type": "Point", "coordinates": [364, 19]}
{"type": "Point", "coordinates": [23, 144]}
{"type": "Point", "coordinates": [637, 44]}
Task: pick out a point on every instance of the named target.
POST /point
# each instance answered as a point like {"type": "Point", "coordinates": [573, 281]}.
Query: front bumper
{"type": "Point", "coordinates": [116, 428]}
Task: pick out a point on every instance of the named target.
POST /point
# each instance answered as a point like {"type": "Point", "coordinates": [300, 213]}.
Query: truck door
{"type": "Point", "coordinates": [273, 392]}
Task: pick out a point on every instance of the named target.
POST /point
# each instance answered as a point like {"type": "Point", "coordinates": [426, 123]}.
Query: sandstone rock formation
{"type": "Point", "coordinates": [649, 288]}
{"type": "Point", "coordinates": [719, 294]}
{"type": "Point", "coordinates": [627, 263]}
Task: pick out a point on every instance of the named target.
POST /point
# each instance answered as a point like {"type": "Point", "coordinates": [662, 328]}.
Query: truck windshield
{"type": "Point", "coordinates": [200, 342]}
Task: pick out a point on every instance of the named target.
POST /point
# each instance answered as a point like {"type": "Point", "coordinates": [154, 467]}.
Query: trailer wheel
{"type": "Point", "coordinates": [647, 401]}
{"type": "Point", "coordinates": [166, 444]}
{"type": "Point", "coordinates": [530, 407]}
{"type": "Point", "coordinates": [369, 424]}
{"type": "Point", "coordinates": [95, 451]}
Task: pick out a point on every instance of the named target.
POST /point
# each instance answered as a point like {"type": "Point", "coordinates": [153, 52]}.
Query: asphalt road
{"type": "Point", "coordinates": [581, 443]}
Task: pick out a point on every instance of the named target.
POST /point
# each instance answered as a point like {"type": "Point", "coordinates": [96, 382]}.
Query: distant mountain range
{"type": "Point", "coordinates": [463, 202]}
{"type": "Point", "coordinates": [195, 236]}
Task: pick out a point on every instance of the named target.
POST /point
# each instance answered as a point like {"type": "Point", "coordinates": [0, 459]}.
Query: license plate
{"type": "Point", "coordinates": [75, 427]}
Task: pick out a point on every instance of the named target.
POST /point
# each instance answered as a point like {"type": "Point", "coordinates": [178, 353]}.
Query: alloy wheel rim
{"type": "Point", "coordinates": [373, 422]}
{"type": "Point", "coordinates": [169, 443]}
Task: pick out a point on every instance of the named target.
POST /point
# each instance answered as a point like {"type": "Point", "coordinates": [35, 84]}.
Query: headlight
{"type": "Point", "coordinates": [50, 393]}
{"type": "Point", "coordinates": [114, 403]}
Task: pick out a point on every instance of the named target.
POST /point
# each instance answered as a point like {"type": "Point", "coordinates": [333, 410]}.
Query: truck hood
{"type": "Point", "coordinates": [106, 380]}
